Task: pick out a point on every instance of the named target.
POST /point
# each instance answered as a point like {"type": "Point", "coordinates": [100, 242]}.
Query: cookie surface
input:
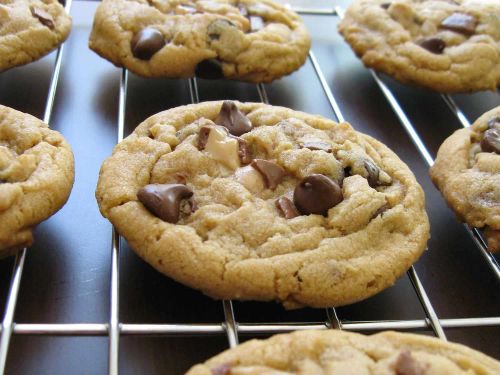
{"type": "Point", "coordinates": [337, 352]}
{"type": "Point", "coordinates": [248, 40]}
{"type": "Point", "coordinates": [30, 29]}
{"type": "Point", "coordinates": [467, 172]}
{"type": "Point", "coordinates": [36, 176]}
{"type": "Point", "coordinates": [443, 45]}
{"type": "Point", "coordinates": [295, 208]}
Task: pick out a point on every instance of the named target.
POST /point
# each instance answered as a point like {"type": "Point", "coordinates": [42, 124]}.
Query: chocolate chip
{"type": "Point", "coordinates": [44, 17]}
{"type": "Point", "coordinates": [233, 119]}
{"type": "Point", "coordinates": [406, 365]}
{"type": "Point", "coordinates": [146, 43]}
{"type": "Point", "coordinates": [385, 5]}
{"type": "Point", "coordinates": [243, 151]}
{"type": "Point", "coordinates": [460, 22]}
{"type": "Point", "coordinates": [273, 174]}
{"type": "Point", "coordinates": [434, 45]}
{"type": "Point", "coordinates": [286, 208]}
{"type": "Point", "coordinates": [317, 146]}
{"type": "Point", "coordinates": [316, 194]}
{"type": "Point", "coordinates": [256, 23]}
{"type": "Point", "coordinates": [380, 211]}
{"type": "Point", "coordinates": [209, 69]}
{"type": "Point", "coordinates": [373, 173]}
{"type": "Point", "coordinates": [491, 141]}
{"type": "Point", "coordinates": [224, 369]}
{"type": "Point", "coordinates": [494, 123]}
{"type": "Point", "coordinates": [164, 200]}
{"type": "Point", "coordinates": [216, 28]}
{"type": "Point", "coordinates": [203, 137]}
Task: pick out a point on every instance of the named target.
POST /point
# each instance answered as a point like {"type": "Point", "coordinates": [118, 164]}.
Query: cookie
{"type": "Point", "coordinates": [444, 45]}
{"type": "Point", "coordinates": [30, 29]}
{"type": "Point", "coordinates": [338, 352]}
{"type": "Point", "coordinates": [255, 202]}
{"type": "Point", "coordinates": [36, 176]}
{"type": "Point", "coordinates": [467, 172]}
{"type": "Point", "coordinates": [247, 40]}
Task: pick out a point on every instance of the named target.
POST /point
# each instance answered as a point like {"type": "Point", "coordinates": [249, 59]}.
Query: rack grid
{"type": "Point", "coordinates": [114, 329]}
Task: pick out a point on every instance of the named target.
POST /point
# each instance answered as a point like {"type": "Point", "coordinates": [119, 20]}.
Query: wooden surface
{"type": "Point", "coordinates": [67, 273]}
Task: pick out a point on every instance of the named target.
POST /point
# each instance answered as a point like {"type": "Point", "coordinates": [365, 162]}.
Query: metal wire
{"type": "Point", "coordinates": [17, 273]}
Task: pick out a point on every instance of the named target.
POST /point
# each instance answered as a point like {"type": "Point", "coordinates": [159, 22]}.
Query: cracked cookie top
{"type": "Point", "coordinates": [248, 40]}
{"type": "Point", "coordinates": [29, 29]}
{"type": "Point", "coordinates": [340, 352]}
{"type": "Point", "coordinates": [36, 176]}
{"type": "Point", "coordinates": [467, 172]}
{"type": "Point", "coordinates": [251, 201]}
{"type": "Point", "coordinates": [444, 45]}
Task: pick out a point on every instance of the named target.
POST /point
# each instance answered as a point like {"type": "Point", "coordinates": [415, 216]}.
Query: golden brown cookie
{"type": "Point", "coordinates": [30, 29]}
{"type": "Point", "coordinates": [255, 202]}
{"type": "Point", "coordinates": [337, 352]}
{"type": "Point", "coordinates": [467, 172]}
{"type": "Point", "coordinates": [36, 176]}
{"type": "Point", "coordinates": [248, 40]}
{"type": "Point", "coordinates": [444, 45]}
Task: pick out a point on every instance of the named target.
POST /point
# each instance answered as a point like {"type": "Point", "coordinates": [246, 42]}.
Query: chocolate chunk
{"type": "Point", "coordinates": [460, 22]}
{"type": "Point", "coordinates": [491, 141]}
{"type": "Point", "coordinates": [286, 208]}
{"type": "Point", "coordinates": [317, 146]}
{"type": "Point", "coordinates": [434, 45]}
{"type": "Point", "coordinates": [256, 23]}
{"type": "Point", "coordinates": [273, 174]}
{"type": "Point", "coordinates": [164, 200]}
{"type": "Point", "coordinates": [209, 69]}
{"type": "Point", "coordinates": [373, 173]}
{"type": "Point", "coordinates": [385, 5]}
{"type": "Point", "coordinates": [44, 17]}
{"type": "Point", "coordinates": [494, 123]}
{"type": "Point", "coordinates": [224, 369]}
{"type": "Point", "coordinates": [316, 194]}
{"type": "Point", "coordinates": [146, 43]}
{"type": "Point", "coordinates": [216, 28]}
{"type": "Point", "coordinates": [233, 119]}
{"type": "Point", "coordinates": [406, 365]}
{"type": "Point", "coordinates": [243, 151]}
{"type": "Point", "coordinates": [203, 137]}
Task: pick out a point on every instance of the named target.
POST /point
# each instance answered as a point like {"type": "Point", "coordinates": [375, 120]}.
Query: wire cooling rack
{"type": "Point", "coordinates": [115, 329]}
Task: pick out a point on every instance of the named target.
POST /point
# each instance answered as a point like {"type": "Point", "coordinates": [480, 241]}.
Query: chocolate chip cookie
{"type": "Point", "coordinates": [255, 202]}
{"type": "Point", "coordinates": [247, 40]}
{"type": "Point", "coordinates": [444, 45]}
{"type": "Point", "coordinates": [467, 172]}
{"type": "Point", "coordinates": [36, 176]}
{"type": "Point", "coordinates": [337, 352]}
{"type": "Point", "coordinates": [29, 29]}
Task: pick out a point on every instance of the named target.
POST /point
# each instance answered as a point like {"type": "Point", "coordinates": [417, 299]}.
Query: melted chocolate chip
{"type": "Point", "coordinates": [385, 5]}
{"type": "Point", "coordinates": [243, 151]}
{"type": "Point", "coordinates": [286, 208]}
{"type": "Point", "coordinates": [209, 69]}
{"type": "Point", "coordinates": [491, 141]}
{"type": "Point", "coordinates": [406, 365]}
{"type": "Point", "coordinates": [318, 146]}
{"type": "Point", "coordinates": [256, 23]}
{"type": "Point", "coordinates": [273, 174]}
{"type": "Point", "coordinates": [316, 194]}
{"type": "Point", "coordinates": [165, 200]}
{"type": "Point", "coordinates": [224, 369]}
{"type": "Point", "coordinates": [434, 45]}
{"type": "Point", "coordinates": [203, 137]}
{"type": "Point", "coordinates": [461, 23]}
{"type": "Point", "coordinates": [44, 17]}
{"type": "Point", "coordinates": [147, 42]}
{"type": "Point", "coordinates": [494, 123]}
{"type": "Point", "coordinates": [373, 173]}
{"type": "Point", "coordinates": [216, 28]}
{"type": "Point", "coordinates": [233, 119]}
{"type": "Point", "coordinates": [380, 211]}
